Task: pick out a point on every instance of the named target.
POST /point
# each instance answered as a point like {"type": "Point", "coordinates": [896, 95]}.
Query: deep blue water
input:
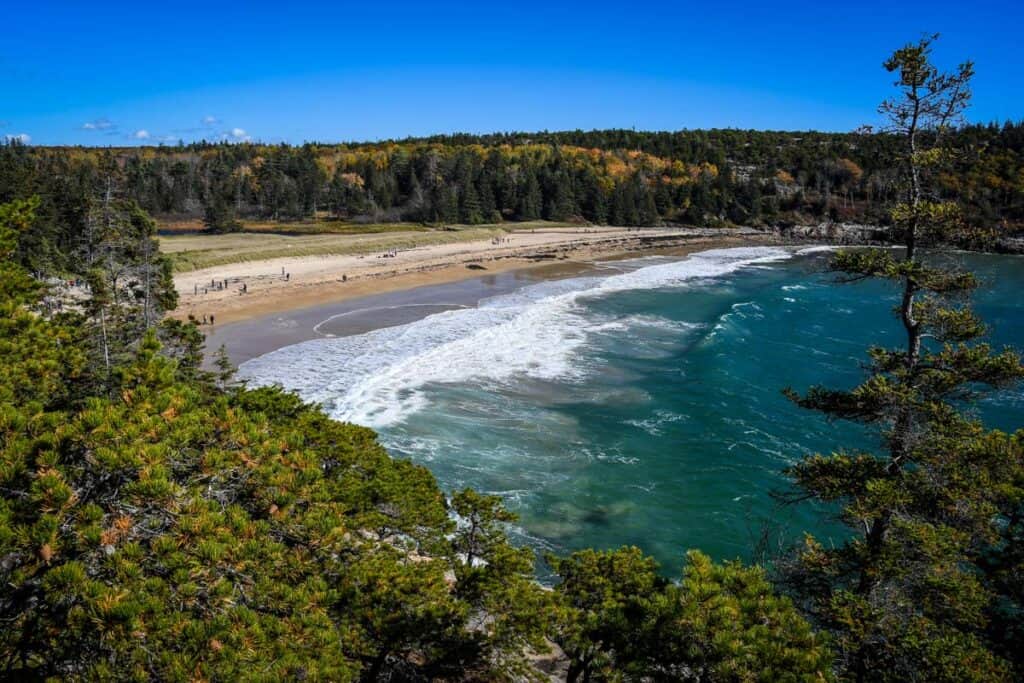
{"type": "Point", "coordinates": [640, 404]}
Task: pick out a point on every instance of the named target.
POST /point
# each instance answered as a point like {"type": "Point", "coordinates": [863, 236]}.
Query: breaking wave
{"type": "Point", "coordinates": [378, 378]}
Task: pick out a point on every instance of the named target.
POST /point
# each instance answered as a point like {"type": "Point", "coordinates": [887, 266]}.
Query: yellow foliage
{"type": "Point", "coordinates": [352, 179]}
{"type": "Point", "coordinates": [852, 168]}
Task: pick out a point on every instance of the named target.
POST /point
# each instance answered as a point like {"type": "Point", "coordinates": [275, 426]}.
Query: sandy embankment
{"type": "Point", "coordinates": [312, 280]}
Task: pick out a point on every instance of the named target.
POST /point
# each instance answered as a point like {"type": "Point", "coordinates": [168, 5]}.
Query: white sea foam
{"type": "Point", "coordinates": [360, 311]}
{"type": "Point", "coordinates": [659, 323]}
{"type": "Point", "coordinates": [815, 250]}
{"type": "Point", "coordinates": [655, 425]}
{"type": "Point", "coordinates": [378, 378]}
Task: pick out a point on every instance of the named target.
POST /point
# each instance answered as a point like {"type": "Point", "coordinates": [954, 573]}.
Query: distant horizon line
{"type": "Point", "coordinates": [12, 140]}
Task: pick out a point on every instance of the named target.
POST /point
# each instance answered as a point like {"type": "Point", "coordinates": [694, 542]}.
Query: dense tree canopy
{"type": "Point", "coordinates": [714, 177]}
{"type": "Point", "coordinates": [621, 619]}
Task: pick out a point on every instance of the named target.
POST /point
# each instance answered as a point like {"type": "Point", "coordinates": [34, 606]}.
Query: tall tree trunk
{"type": "Point", "coordinates": [903, 424]}
{"type": "Point", "coordinates": [147, 300]}
{"type": "Point", "coordinates": [106, 348]}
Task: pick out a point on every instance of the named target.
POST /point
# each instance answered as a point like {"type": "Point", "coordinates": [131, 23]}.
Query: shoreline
{"type": "Point", "coordinates": [388, 300]}
{"type": "Point", "coordinates": [280, 285]}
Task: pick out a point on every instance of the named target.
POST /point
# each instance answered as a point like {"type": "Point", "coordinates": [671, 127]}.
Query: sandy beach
{"type": "Point", "coordinates": [259, 288]}
{"type": "Point", "coordinates": [280, 313]}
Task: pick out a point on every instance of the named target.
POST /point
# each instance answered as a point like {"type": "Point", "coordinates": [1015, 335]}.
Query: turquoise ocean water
{"type": "Point", "coordinates": [636, 404]}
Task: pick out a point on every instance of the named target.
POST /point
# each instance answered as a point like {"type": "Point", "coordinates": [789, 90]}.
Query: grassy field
{"type": "Point", "coordinates": [177, 228]}
{"type": "Point", "coordinates": [196, 250]}
{"type": "Point", "coordinates": [195, 227]}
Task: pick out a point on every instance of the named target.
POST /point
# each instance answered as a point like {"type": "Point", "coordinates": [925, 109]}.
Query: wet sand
{"type": "Point", "coordinates": [254, 337]}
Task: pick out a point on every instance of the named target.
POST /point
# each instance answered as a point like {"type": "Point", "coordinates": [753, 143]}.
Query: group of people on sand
{"type": "Point", "coordinates": [221, 285]}
{"type": "Point", "coordinates": [390, 253]}
{"type": "Point", "coordinates": [500, 240]}
{"type": "Point", "coordinates": [215, 286]}
{"type": "Point", "coordinates": [206, 319]}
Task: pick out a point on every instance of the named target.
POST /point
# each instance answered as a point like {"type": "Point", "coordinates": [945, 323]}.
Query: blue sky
{"type": "Point", "coordinates": [119, 73]}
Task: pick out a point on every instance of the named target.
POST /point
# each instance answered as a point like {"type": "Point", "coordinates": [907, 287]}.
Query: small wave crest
{"type": "Point", "coordinates": [816, 250]}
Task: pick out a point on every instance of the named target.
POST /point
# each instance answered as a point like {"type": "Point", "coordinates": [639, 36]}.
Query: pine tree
{"type": "Point", "coordinates": [605, 598]}
{"type": "Point", "coordinates": [647, 210]}
{"type": "Point", "coordinates": [130, 284]}
{"type": "Point", "coordinates": [219, 216]}
{"type": "Point", "coordinates": [530, 199]}
{"type": "Point", "coordinates": [907, 596]}
{"type": "Point", "coordinates": [470, 211]}
{"type": "Point", "coordinates": [595, 202]}
{"type": "Point", "coordinates": [621, 620]}
{"type": "Point", "coordinates": [497, 580]}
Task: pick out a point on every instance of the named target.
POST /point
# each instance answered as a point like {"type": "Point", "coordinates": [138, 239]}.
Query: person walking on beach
{"type": "Point", "coordinates": [204, 318]}
{"type": "Point", "coordinates": [211, 318]}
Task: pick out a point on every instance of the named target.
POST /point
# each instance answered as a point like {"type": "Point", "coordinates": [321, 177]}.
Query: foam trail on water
{"type": "Point", "coordinates": [817, 249]}
{"type": "Point", "coordinates": [378, 378]}
{"type": "Point", "coordinates": [360, 311]}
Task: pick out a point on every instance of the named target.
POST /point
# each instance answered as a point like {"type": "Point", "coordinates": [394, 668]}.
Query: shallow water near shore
{"type": "Point", "coordinates": [636, 403]}
{"type": "Point", "coordinates": [254, 337]}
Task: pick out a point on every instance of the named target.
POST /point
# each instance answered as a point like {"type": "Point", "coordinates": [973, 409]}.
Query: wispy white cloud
{"type": "Point", "coordinates": [208, 130]}
{"type": "Point", "coordinates": [99, 124]}
{"type": "Point", "coordinates": [207, 126]}
{"type": "Point", "coordinates": [236, 135]}
{"type": "Point", "coordinates": [23, 138]}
